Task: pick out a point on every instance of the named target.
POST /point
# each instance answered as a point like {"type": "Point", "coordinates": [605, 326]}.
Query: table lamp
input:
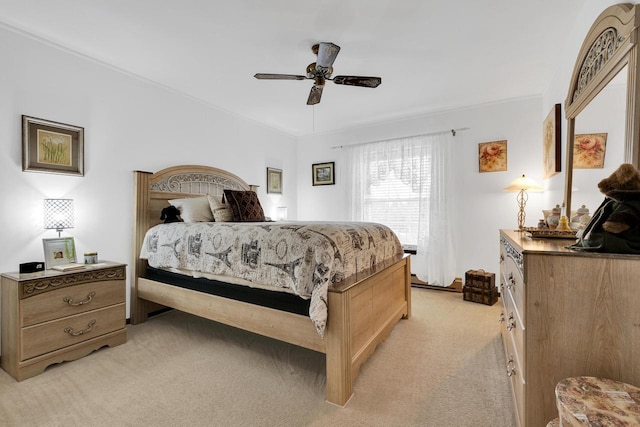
{"type": "Point", "coordinates": [522, 185]}
{"type": "Point", "coordinates": [58, 214]}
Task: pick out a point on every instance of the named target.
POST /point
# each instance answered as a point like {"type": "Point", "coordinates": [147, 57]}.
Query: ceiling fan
{"type": "Point", "coordinates": [321, 71]}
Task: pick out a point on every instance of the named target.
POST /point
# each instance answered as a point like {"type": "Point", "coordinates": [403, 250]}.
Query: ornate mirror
{"type": "Point", "coordinates": [604, 81]}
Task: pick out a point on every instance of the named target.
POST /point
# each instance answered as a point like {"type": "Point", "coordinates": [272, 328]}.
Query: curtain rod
{"type": "Point", "coordinates": [442, 132]}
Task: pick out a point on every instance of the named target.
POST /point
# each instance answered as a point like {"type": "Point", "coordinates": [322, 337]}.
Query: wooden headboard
{"type": "Point", "coordinates": [152, 192]}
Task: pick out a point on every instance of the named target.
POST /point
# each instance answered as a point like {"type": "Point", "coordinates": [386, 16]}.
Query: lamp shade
{"type": "Point", "coordinates": [524, 183]}
{"type": "Point", "coordinates": [58, 214]}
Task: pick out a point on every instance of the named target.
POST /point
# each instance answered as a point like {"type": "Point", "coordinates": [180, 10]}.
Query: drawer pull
{"type": "Point", "coordinates": [511, 369]}
{"type": "Point", "coordinates": [69, 330]}
{"type": "Point", "coordinates": [501, 318]}
{"type": "Point", "coordinates": [69, 300]}
{"type": "Point", "coordinates": [511, 322]}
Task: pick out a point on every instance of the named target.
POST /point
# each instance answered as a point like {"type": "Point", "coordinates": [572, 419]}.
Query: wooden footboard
{"type": "Point", "coordinates": [362, 313]}
{"type": "Point", "coordinates": [362, 310]}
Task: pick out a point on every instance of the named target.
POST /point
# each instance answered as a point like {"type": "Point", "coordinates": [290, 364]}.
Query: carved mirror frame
{"type": "Point", "coordinates": [610, 45]}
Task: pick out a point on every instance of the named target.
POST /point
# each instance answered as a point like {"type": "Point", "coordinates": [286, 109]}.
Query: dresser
{"type": "Point", "coordinates": [565, 314]}
{"type": "Point", "coordinates": [51, 316]}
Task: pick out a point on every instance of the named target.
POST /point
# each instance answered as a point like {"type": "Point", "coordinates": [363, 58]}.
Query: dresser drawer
{"type": "Point", "coordinates": [512, 280]}
{"type": "Point", "coordinates": [71, 300]}
{"type": "Point", "coordinates": [49, 336]}
{"type": "Point", "coordinates": [514, 371]}
{"type": "Point", "coordinates": [514, 328]}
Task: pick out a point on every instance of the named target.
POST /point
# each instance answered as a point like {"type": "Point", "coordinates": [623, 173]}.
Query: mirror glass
{"type": "Point", "coordinates": [605, 114]}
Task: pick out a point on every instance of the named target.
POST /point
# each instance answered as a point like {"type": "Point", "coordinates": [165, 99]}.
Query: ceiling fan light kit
{"type": "Point", "coordinates": [321, 71]}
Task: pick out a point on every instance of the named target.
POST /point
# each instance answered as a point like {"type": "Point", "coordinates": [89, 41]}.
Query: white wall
{"type": "Point", "coordinates": [129, 125]}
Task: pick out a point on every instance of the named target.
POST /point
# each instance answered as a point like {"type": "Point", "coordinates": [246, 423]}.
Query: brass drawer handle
{"type": "Point", "coordinates": [501, 318]}
{"type": "Point", "coordinates": [69, 300]}
{"type": "Point", "coordinates": [69, 330]}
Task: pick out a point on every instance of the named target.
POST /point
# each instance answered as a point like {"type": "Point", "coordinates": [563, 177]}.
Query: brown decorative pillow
{"type": "Point", "coordinates": [245, 205]}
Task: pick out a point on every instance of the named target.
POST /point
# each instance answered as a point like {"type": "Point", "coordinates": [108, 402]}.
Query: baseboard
{"type": "Point", "coordinates": [455, 286]}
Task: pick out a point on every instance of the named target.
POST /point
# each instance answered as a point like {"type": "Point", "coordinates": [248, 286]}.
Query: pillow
{"type": "Point", "coordinates": [245, 205]}
{"type": "Point", "coordinates": [222, 212]}
{"type": "Point", "coordinates": [193, 209]}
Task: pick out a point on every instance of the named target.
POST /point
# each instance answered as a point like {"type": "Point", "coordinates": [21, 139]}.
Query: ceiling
{"type": "Point", "coordinates": [432, 55]}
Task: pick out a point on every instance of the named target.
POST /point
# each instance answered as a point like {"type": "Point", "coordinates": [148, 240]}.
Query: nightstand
{"type": "Point", "coordinates": [51, 316]}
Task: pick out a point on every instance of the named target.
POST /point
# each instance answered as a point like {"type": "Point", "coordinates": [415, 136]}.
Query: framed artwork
{"type": "Point", "coordinates": [274, 181]}
{"type": "Point", "coordinates": [58, 251]}
{"type": "Point", "coordinates": [551, 140]}
{"type": "Point", "coordinates": [323, 173]}
{"type": "Point", "coordinates": [589, 150]}
{"type": "Point", "coordinates": [52, 147]}
{"type": "Point", "coordinates": [492, 156]}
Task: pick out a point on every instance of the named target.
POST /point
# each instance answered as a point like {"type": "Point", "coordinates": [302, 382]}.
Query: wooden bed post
{"type": "Point", "coordinates": [338, 351]}
{"type": "Point", "coordinates": [140, 226]}
{"type": "Point", "coordinates": [407, 287]}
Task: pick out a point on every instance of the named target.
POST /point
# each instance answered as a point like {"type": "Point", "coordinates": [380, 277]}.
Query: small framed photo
{"type": "Point", "coordinates": [52, 147]}
{"type": "Point", "coordinates": [323, 173]}
{"type": "Point", "coordinates": [274, 181]}
{"type": "Point", "coordinates": [492, 156]}
{"type": "Point", "coordinates": [589, 150]}
{"type": "Point", "coordinates": [551, 143]}
{"type": "Point", "coordinates": [58, 251]}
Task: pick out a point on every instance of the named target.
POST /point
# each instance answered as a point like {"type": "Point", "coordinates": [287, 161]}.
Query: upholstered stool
{"type": "Point", "coordinates": [594, 401]}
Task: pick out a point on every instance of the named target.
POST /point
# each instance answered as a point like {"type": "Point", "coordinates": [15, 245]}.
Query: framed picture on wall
{"type": "Point", "coordinates": [52, 147]}
{"type": "Point", "coordinates": [492, 156]}
{"type": "Point", "coordinates": [589, 150]}
{"type": "Point", "coordinates": [323, 173]}
{"type": "Point", "coordinates": [274, 181]}
{"type": "Point", "coordinates": [551, 143]}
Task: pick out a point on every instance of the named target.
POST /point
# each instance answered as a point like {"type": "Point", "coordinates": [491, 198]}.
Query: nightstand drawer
{"type": "Point", "coordinates": [46, 337]}
{"type": "Point", "coordinates": [71, 300]}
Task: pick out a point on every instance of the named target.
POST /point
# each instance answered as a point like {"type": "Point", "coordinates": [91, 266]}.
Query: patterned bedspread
{"type": "Point", "coordinates": [299, 257]}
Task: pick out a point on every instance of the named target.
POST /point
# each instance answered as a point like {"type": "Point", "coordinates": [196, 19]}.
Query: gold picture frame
{"type": "Point", "coordinates": [551, 141]}
{"type": "Point", "coordinates": [323, 173]}
{"type": "Point", "coordinates": [274, 181]}
{"type": "Point", "coordinates": [492, 156]}
{"type": "Point", "coordinates": [52, 147]}
{"type": "Point", "coordinates": [589, 150]}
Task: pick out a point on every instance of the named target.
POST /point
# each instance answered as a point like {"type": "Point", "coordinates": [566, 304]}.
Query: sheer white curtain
{"type": "Point", "coordinates": [417, 176]}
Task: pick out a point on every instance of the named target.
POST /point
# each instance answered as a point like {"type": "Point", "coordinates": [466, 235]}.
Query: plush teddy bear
{"type": "Point", "coordinates": [170, 214]}
{"type": "Point", "coordinates": [615, 225]}
{"type": "Point", "coordinates": [622, 186]}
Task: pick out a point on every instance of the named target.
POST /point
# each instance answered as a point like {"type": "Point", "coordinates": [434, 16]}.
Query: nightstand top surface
{"type": "Point", "coordinates": [53, 273]}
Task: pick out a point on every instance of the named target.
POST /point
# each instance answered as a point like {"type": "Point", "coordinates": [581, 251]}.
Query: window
{"type": "Point", "coordinates": [395, 201]}
{"type": "Point", "coordinates": [405, 184]}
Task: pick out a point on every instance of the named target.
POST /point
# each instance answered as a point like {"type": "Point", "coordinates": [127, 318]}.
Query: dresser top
{"type": "Point", "coordinates": [551, 246]}
{"type": "Point", "coordinates": [53, 273]}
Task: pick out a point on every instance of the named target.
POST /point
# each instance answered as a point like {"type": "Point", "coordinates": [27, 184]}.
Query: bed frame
{"type": "Point", "coordinates": [362, 309]}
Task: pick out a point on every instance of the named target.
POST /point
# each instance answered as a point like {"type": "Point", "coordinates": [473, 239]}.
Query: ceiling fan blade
{"type": "Point", "coordinates": [315, 94]}
{"type": "Point", "coordinates": [327, 53]}
{"type": "Point", "coordinates": [266, 76]}
{"type": "Point", "coordinates": [358, 81]}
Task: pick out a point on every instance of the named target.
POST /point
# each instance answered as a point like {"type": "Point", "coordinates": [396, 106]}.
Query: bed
{"type": "Point", "coordinates": [361, 308]}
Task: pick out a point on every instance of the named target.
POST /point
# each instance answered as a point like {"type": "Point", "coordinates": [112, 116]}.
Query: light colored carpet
{"type": "Point", "coordinates": [443, 367]}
